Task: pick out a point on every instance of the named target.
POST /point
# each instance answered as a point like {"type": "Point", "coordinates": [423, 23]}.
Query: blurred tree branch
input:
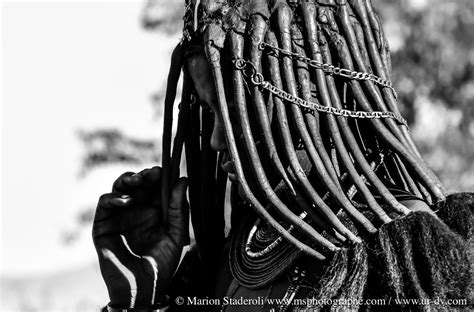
{"type": "Point", "coordinates": [108, 146]}
{"type": "Point", "coordinates": [163, 15]}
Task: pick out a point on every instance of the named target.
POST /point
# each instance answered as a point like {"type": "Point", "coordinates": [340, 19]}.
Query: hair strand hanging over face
{"type": "Point", "coordinates": [177, 59]}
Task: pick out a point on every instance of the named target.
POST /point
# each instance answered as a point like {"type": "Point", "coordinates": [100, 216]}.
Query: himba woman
{"type": "Point", "coordinates": [332, 206]}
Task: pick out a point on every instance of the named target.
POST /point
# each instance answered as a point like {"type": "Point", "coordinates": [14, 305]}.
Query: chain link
{"type": "Point", "coordinates": [258, 80]}
{"type": "Point", "coordinates": [333, 70]}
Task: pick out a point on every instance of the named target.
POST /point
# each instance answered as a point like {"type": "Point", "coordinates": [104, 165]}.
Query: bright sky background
{"type": "Point", "coordinates": [65, 66]}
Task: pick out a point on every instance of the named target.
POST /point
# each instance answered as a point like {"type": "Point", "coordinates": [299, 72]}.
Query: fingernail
{"type": "Point", "coordinates": [125, 197]}
{"type": "Point", "coordinates": [135, 178]}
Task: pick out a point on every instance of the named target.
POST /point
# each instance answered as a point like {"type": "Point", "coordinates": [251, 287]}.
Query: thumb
{"type": "Point", "coordinates": [178, 214]}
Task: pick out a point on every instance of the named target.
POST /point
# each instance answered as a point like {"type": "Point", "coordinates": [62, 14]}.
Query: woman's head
{"type": "Point", "coordinates": [302, 103]}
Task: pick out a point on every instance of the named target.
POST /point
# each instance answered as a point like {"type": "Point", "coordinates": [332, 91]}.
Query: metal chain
{"type": "Point", "coordinates": [249, 70]}
{"type": "Point", "coordinates": [334, 70]}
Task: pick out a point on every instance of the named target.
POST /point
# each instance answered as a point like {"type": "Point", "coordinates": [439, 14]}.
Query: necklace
{"type": "Point", "coordinates": [264, 234]}
{"type": "Point", "coordinates": [257, 256]}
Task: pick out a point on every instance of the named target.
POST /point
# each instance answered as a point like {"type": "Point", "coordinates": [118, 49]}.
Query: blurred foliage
{"type": "Point", "coordinates": [163, 15]}
{"type": "Point", "coordinates": [108, 146]}
{"type": "Point", "coordinates": [433, 70]}
{"type": "Point", "coordinates": [434, 56]}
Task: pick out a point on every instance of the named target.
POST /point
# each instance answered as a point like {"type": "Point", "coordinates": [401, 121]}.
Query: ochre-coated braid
{"type": "Point", "coordinates": [290, 150]}
{"type": "Point", "coordinates": [214, 57]}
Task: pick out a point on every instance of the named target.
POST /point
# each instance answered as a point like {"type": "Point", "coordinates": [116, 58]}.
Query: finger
{"type": "Point", "coordinates": [144, 185]}
{"type": "Point", "coordinates": [148, 180]}
{"type": "Point", "coordinates": [114, 199]}
{"type": "Point", "coordinates": [151, 177]}
{"type": "Point", "coordinates": [127, 182]}
{"type": "Point", "coordinates": [107, 215]}
{"type": "Point", "coordinates": [178, 215]}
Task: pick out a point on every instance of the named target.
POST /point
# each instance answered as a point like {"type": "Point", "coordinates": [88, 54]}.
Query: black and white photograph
{"type": "Point", "coordinates": [237, 155]}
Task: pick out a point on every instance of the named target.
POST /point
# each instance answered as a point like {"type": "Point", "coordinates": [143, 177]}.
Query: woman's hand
{"type": "Point", "coordinates": [137, 256]}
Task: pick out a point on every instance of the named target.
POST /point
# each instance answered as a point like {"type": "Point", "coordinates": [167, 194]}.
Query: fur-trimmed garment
{"type": "Point", "coordinates": [419, 257]}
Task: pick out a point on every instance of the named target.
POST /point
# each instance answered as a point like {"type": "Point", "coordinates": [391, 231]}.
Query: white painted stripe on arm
{"type": "Point", "coordinates": [154, 267]}
{"type": "Point", "coordinates": [109, 255]}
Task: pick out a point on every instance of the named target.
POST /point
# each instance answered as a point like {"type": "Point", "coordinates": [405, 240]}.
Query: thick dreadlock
{"type": "Point", "coordinates": [316, 75]}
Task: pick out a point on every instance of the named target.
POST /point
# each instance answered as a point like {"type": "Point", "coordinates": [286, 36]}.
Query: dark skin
{"type": "Point", "coordinates": [137, 256]}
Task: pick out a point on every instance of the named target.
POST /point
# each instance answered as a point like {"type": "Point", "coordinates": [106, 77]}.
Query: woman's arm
{"type": "Point", "coordinates": [137, 255]}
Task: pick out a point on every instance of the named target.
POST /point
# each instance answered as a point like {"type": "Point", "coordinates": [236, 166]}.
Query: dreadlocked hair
{"type": "Point", "coordinates": [319, 149]}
